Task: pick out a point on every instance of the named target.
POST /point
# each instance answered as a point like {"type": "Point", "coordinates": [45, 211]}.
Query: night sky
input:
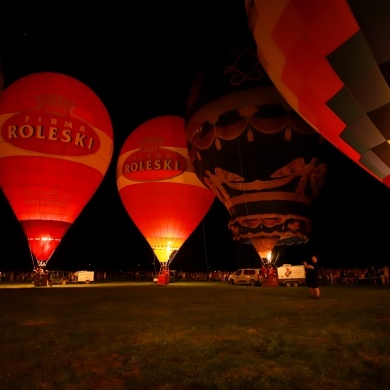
{"type": "Point", "coordinates": [142, 65]}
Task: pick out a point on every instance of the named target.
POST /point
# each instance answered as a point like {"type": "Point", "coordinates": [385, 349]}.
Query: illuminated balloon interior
{"type": "Point", "coordinates": [56, 144]}
{"type": "Point", "coordinates": [158, 187]}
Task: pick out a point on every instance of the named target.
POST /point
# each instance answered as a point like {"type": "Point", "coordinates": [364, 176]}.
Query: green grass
{"type": "Point", "coordinates": [189, 335]}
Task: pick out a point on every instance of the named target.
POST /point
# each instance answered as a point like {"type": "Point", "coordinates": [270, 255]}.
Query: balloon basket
{"type": "Point", "coordinates": [163, 279]}
{"type": "Point", "coordinates": [271, 281]}
{"type": "Point", "coordinates": [163, 276]}
{"type": "Point", "coordinates": [40, 280]}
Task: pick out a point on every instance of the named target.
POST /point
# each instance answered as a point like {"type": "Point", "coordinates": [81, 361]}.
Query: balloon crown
{"type": "Point", "coordinates": [56, 104]}
{"type": "Point", "coordinates": [151, 143]}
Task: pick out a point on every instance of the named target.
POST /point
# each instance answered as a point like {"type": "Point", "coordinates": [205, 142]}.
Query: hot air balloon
{"type": "Point", "coordinates": [56, 144]}
{"type": "Point", "coordinates": [254, 152]}
{"type": "Point", "coordinates": [330, 61]}
{"type": "Point", "coordinates": [159, 189]}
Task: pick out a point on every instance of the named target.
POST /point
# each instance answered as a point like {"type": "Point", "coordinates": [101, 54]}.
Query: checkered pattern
{"type": "Point", "coordinates": [330, 59]}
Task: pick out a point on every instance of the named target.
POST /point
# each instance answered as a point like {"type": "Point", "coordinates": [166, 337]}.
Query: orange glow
{"type": "Point", "coordinates": [329, 60]}
{"type": "Point", "coordinates": [158, 187]}
{"type": "Point", "coordinates": [56, 143]}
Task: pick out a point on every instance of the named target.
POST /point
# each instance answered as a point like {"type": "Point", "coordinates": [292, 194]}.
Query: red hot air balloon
{"type": "Point", "coordinates": [56, 143]}
{"type": "Point", "coordinates": [330, 61]}
{"type": "Point", "coordinates": [249, 147]}
{"type": "Point", "coordinates": [158, 187]}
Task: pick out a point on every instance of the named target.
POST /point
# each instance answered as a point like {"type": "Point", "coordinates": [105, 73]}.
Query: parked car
{"type": "Point", "coordinates": [59, 277]}
{"type": "Point", "coordinates": [249, 276]}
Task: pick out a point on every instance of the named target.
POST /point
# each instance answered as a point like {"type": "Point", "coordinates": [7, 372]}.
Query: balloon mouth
{"type": "Point", "coordinates": [265, 245]}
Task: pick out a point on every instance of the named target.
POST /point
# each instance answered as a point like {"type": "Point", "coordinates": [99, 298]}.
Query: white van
{"type": "Point", "coordinates": [250, 276]}
{"type": "Point", "coordinates": [291, 275]}
{"type": "Point", "coordinates": [84, 276]}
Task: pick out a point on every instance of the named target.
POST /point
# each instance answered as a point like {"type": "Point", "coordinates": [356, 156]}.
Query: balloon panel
{"type": "Point", "coordinates": [158, 187]}
{"type": "Point", "coordinates": [56, 144]}
{"type": "Point", "coordinates": [163, 225]}
{"type": "Point", "coordinates": [44, 237]}
{"type": "Point", "coordinates": [48, 192]}
{"type": "Point", "coordinates": [250, 148]}
{"type": "Point", "coordinates": [336, 78]}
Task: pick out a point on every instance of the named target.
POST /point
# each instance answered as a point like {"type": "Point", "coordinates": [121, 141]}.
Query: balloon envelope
{"type": "Point", "coordinates": [253, 152]}
{"type": "Point", "coordinates": [56, 144]}
{"type": "Point", "coordinates": [330, 61]}
{"type": "Point", "coordinates": [158, 187]}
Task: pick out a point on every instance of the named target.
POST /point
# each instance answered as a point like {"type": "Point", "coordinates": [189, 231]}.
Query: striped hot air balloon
{"type": "Point", "coordinates": [259, 157]}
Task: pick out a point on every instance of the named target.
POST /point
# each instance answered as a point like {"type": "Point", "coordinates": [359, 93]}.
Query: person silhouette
{"type": "Point", "coordinates": [312, 277]}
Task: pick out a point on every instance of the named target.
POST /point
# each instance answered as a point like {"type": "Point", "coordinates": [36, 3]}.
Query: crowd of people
{"type": "Point", "coordinates": [344, 275]}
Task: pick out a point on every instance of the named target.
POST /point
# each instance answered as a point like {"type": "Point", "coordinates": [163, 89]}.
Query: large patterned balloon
{"type": "Point", "coordinates": [252, 150]}
{"type": "Point", "coordinates": [56, 144]}
{"type": "Point", "coordinates": [330, 59]}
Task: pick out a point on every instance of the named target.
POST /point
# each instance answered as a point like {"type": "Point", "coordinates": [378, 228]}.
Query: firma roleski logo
{"type": "Point", "coordinates": [152, 162]}
{"type": "Point", "coordinates": [50, 134]}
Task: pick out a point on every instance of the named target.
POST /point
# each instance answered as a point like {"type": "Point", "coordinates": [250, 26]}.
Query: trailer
{"type": "Point", "coordinates": [84, 277]}
{"type": "Point", "coordinates": [291, 275]}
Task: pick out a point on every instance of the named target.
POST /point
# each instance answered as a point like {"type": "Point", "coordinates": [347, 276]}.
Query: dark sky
{"type": "Point", "coordinates": [141, 63]}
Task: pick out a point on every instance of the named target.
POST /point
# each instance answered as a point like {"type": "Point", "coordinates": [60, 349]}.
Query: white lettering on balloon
{"type": "Point", "coordinates": [52, 133]}
{"type": "Point", "coordinates": [149, 165]}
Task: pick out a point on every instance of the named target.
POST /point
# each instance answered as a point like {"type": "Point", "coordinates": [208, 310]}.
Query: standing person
{"type": "Point", "coordinates": [312, 277]}
{"type": "Point", "coordinates": [48, 278]}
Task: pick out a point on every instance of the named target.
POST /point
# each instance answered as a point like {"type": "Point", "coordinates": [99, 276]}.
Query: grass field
{"type": "Point", "coordinates": [189, 335]}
